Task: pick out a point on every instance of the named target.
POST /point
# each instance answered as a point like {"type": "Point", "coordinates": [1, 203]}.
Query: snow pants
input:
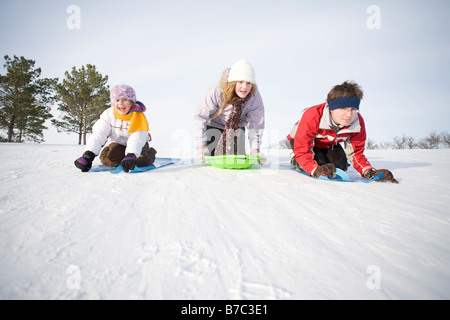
{"type": "Point", "coordinates": [113, 154]}
{"type": "Point", "coordinates": [335, 155]}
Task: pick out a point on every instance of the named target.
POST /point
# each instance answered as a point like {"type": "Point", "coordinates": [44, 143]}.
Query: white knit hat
{"type": "Point", "coordinates": [242, 71]}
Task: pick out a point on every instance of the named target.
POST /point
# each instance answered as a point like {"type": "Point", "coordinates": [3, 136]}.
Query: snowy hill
{"type": "Point", "coordinates": [197, 232]}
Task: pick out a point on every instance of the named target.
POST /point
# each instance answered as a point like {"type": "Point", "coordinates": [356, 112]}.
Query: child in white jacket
{"type": "Point", "coordinates": [124, 123]}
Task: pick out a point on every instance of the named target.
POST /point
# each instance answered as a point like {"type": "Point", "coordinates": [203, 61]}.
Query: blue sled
{"type": "Point", "coordinates": [343, 176]}
{"type": "Point", "coordinates": [340, 175]}
{"type": "Point", "coordinates": [159, 163]}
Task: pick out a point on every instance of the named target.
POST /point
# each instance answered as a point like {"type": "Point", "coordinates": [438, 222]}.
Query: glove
{"type": "Point", "coordinates": [200, 153]}
{"type": "Point", "coordinates": [85, 162]}
{"type": "Point", "coordinates": [129, 162]}
{"type": "Point", "coordinates": [386, 176]}
{"type": "Point", "coordinates": [324, 170]}
{"type": "Point", "coordinates": [262, 158]}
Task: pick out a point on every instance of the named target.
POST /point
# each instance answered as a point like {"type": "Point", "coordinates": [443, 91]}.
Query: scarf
{"type": "Point", "coordinates": [137, 120]}
{"type": "Point", "coordinates": [228, 143]}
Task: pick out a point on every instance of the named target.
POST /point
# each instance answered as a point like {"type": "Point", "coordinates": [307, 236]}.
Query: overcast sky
{"type": "Point", "coordinates": [171, 52]}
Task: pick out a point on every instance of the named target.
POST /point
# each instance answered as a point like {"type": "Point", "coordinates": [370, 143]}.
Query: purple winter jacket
{"type": "Point", "coordinates": [252, 117]}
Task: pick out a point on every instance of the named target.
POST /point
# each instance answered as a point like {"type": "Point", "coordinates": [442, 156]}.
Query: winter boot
{"type": "Point", "coordinates": [148, 156]}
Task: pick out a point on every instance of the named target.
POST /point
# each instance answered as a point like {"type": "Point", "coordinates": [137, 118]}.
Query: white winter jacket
{"type": "Point", "coordinates": [108, 126]}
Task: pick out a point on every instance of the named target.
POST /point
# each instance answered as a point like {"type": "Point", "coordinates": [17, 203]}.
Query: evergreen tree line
{"type": "Point", "coordinates": [26, 99]}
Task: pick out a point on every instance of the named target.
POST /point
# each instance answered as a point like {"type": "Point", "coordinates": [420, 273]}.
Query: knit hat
{"type": "Point", "coordinates": [344, 102]}
{"type": "Point", "coordinates": [122, 91]}
{"type": "Point", "coordinates": [242, 71]}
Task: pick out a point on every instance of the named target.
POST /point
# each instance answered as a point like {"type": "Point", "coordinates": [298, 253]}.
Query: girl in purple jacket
{"type": "Point", "coordinates": [228, 108]}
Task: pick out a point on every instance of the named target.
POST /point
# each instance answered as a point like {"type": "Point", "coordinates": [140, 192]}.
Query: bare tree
{"type": "Point", "coordinates": [282, 144]}
{"type": "Point", "coordinates": [403, 142]}
{"type": "Point", "coordinates": [410, 143]}
{"type": "Point", "coordinates": [371, 144]}
{"type": "Point", "coordinates": [399, 143]}
{"type": "Point", "coordinates": [445, 139]}
{"type": "Point", "coordinates": [431, 142]}
{"type": "Point", "coordinates": [385, 145]}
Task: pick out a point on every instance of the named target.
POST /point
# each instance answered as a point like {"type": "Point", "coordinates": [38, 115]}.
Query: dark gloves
{"type": "Point", "coordinates": [386, 175]}
{"type": "Point", "coordinates": [324, 170]}
{"type": "Point", "coordinates": [129, 162]}
{"type": "Point", "coordinates": [85, 162]}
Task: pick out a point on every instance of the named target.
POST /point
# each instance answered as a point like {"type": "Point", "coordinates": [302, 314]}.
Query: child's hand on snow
{"type": "Point", "coordinates": [324, 170]}
{"type": "Point", "coordinates": [84, 163]}
{"type": "Point", "coordinates": [386, 175]}
{"type": "Point", "coordinates": [129, 162]}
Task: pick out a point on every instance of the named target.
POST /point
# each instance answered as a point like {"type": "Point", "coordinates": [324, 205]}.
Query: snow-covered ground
{"type": "Point", "coordinates": [198, 232]}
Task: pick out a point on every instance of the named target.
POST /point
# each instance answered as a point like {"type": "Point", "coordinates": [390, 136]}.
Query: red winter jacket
{"type": "Point", "coordinates": [315, 129]}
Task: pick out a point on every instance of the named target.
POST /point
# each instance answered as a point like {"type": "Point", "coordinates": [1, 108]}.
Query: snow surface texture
{"type": "Point", "coordinates": [197, 232]}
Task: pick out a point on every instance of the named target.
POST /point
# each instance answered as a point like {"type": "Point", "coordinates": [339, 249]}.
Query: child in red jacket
{"type": "Point", "coordinates": [316, 137]}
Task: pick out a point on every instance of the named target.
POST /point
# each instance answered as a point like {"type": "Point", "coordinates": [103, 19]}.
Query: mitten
{"type": "Point", "coordinates": [84, 163]}
{"type": "Point", "coordinates": [129, 162]}
{"type": "Point", "coordinates": [262, 158]}
{"type": "Point", "coordinates": [324, 170]}
{"type": "Point", "coordinates": [385, 175]}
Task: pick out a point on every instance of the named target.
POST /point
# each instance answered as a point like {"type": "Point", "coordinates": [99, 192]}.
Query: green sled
{"type": "Point", "coordinates": [239, 162]}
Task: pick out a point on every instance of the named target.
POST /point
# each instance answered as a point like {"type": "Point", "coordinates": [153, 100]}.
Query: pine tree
{"type": "Point", "coordinates": [83, 95]}
{"type": "Point", "coordinates": [25, 100]}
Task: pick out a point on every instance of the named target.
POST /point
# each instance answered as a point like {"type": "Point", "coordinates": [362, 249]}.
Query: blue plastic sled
{"type": "Point", "coordinates": [159, 163]}
{"type": "Point", "coordinates": [342, 176]}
